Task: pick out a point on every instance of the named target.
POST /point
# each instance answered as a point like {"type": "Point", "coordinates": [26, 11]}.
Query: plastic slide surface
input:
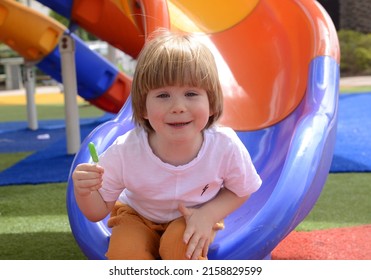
{"type": "Point", "coordinates": [279, 64]}
{"type": "Point", "coordinates": [122, 25]}
{"type": "Point", "coordinates": [99, 81]}
{"type": "Point", "coordinates": [31, 34]}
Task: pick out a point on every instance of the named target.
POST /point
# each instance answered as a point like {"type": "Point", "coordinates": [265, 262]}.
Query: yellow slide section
{"type": "Point", "coordinates": [33, 37]}
{"type": "Point", "coordinates": [209, 17]}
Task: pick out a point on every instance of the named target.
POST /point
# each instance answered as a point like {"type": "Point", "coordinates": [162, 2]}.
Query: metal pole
{"type": "Point", "coordinates": [29, 83]}
{"type": "Point", "coordinates": [67, 50]}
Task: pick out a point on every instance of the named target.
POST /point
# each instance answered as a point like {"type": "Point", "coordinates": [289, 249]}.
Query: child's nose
{"type": "Point", "coordinates": [178, 106]}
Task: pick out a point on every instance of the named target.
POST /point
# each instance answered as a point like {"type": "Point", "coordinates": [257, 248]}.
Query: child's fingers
{"type": "Point", "coordinates": [88, 167]}
{"type": "Point", "coordinates": [87, 186]}
{"type": "Point", "coordinates": [196, 248]}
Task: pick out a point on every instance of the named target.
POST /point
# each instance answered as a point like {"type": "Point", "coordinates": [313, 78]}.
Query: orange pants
{"type": "Point", "coordinates": [137, 238]}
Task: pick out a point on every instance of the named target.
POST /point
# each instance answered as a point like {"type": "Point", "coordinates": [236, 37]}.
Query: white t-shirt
{"type": "Point", "coordinates": [134, 175]}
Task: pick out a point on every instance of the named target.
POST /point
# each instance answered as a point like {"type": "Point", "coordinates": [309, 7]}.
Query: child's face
{"type": "Point", "coordinates": [178, 113]}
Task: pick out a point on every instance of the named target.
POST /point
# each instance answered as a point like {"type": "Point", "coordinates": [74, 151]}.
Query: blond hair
{"type": "Point", "coordinates": [175, 59]}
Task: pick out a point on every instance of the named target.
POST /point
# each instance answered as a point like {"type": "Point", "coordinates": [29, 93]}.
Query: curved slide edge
{"type": "Point", "coordinates": [293, 178]}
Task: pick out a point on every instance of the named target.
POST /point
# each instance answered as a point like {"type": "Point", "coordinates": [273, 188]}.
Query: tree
{"type": "Point", "coordinates": [355, 15]}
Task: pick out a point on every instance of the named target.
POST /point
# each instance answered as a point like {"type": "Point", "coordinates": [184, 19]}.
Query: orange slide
{"type": "Point", "coordinates": [235, 32]}
{"type": "Point", "coordinates": [254, 56]}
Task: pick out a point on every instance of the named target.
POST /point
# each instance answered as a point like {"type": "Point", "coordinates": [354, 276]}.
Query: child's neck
{"type": "Point", "coordinates": [175, 153]}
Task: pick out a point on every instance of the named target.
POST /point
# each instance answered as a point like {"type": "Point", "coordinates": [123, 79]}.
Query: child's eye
{"type": "Point", "coordinates": [191, 93]}
{"type": "Point", "coordinates": [163, 95]}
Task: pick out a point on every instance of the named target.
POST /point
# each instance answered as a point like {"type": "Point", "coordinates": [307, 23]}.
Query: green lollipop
{"type": "Point", "coordinates": [93, 152]}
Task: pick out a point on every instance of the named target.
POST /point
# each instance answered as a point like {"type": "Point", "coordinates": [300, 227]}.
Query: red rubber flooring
{"type": "Point", "coordinates": [353, 243]}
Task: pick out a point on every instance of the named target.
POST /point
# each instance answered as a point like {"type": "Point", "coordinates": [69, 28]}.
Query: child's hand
{"type": "Point", "coordinates": [87, 178]}
{"type": "Point", "coordinates": [197, 233]}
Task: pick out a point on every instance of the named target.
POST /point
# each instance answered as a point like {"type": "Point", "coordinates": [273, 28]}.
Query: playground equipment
{"type": "Point", "coordinates": [35, 37]}
{"type": "Point", "coordinates": [279, 67]}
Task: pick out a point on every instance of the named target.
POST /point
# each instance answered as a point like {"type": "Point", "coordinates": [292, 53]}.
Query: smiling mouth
{"type": "Point", "coordinates": [179, 124]}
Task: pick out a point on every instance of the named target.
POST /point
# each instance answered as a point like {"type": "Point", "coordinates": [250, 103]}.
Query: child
{"type": "Point", "coordinates": [171, 181]}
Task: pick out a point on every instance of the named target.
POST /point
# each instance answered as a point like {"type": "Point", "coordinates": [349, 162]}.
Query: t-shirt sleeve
{"type": "Point", "coordinates": [241, 175]}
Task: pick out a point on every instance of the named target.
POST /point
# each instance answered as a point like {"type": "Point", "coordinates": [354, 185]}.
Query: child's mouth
{"type": "Point", "coordinates": [180, 124]}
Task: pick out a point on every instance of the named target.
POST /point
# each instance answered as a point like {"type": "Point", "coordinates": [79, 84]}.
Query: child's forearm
{"type": "Point", "coordinates": [93, 206]}
{"type": "Point", "coordinates": [222, 205]}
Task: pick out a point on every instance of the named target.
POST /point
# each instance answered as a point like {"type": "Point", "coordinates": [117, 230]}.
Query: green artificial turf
{"type": "Point", "coordinates": [359, 89]}
{"type": "Point", "coordinates": [34, 222]}
{"type": "Point", "coordinates": [344, 202]}
{"type": "Point", "coordinates": [7, 160]}
{"type": "Point", "coordinates": [46, 112]}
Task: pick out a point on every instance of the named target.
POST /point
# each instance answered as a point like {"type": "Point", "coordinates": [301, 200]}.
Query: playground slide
{"type": "Point", "coordinates": [279, 65]}
{"type": "Point", "coordinates": [36, 37]}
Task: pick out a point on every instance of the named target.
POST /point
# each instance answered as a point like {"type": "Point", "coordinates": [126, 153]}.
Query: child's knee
{"type": "Point", "coordinates": [172, 246]}
{"type": "Point", "coordinates": [172, 250]}
{"type": "Point", "coordinates": [129, 253]}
